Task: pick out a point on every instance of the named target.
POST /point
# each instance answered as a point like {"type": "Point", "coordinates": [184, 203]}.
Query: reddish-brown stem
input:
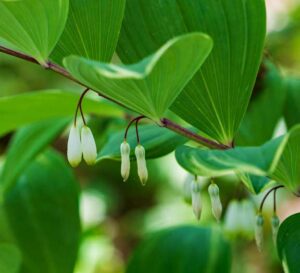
{"type": "Point", "coordinates": [79, 107]}
{"type": "Point", "coordinates": [166, 123]}
{"type": "Point", "coordinates": [130, 123]}
{"type": "Point", "coordinates": [193, 136]}
{"type": "Point", "coordinates": [267, 194]}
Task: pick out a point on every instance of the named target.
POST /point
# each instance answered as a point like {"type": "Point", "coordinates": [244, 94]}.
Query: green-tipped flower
{"type": "Point", "coordinates": [88, 145]}
{"type": "Point", "coordinates": [259, 231]}
{"type": "Point", "coordinates": [196, 199]}
{"type": "Point", "coordinates": [275, 226]}
{"type": "Point", "coordinates": [125, 160]}
{"type": "Point", "coordinates": [141, 163]}
{"type": "Point", "coordinates": [74, 151]}
{"type": "Point", "coordinates": [216, 204]}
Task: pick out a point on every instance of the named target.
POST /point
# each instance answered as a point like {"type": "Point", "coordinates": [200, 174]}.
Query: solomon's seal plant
{"type": "Point", "coordinates": [183, 78]}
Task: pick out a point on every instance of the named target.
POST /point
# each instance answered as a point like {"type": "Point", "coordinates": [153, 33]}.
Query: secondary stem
{"type": "Point", "coordinates": [166, 123]}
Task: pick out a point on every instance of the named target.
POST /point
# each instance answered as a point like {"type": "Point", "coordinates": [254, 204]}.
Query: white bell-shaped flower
{"type": "Point", "coordinates": [275, 227]}
{"type": "Point", "coordinates": [141, 163]}
{"type": "Point", "coordinates": [259, 231]}
{"type": "Point", "coordinates": [196, 199]}
{"type": "Point", "coordinates": [88, 145]}
{"type": "Point", "coordinates": [74, 151]}
{"type": "Point", "coordinates": [216, 204]}
{"type": "Point", "coordinates": [125, 160]}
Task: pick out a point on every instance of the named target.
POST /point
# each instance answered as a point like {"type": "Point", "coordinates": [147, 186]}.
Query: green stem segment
{"type": "Point", "coordinates": [165, 122]}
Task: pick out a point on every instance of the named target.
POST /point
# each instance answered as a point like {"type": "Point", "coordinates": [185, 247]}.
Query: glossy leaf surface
{"type": "Point", "coordinates": [150, 86]}
{"type": "Point", "coordinates": [217, 97]}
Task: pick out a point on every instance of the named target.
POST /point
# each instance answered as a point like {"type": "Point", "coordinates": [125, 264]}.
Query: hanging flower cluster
{"type": "Point", "coordinates": [193, 188]}
{"type": "Point", "coordinates": [81, 142]}
{"type": "Point", "coordinates": [259, 225]}
{"type": "Point", "coordinates": [140, 155]}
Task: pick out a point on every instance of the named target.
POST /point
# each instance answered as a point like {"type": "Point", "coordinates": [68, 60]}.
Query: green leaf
{"type": "Point", "coordinates": [288, 243]}
{"type": "Point", "coordinates": [288, 168]}
{"type": "Point", "coordinates": [10, 258]}
{"type": "Point", "coordinates": [92, 30]}
{"type": "Point", "coordinates": [42, 105]}
{"type": "Point", "coordinates": [33, 26]}
{"type": "Point", "coordinates": [278, 159]}
{"type": "Point", "coordinates": [157, 142]}
{"type": "Point", "coordinates": [27, 143]}
{"type": "Point", "coordinates": [42, 210]}
{"type": "Point", "coordinates": [292, 105]}
{"type": "Point", "coordinates": [150, 86]}
{"type": "Point", "coordinates": [216, 99]}
{"type": "Point", "coordinates": [265, 109]}
{"type": "Point", "coordinates": [182, 250]}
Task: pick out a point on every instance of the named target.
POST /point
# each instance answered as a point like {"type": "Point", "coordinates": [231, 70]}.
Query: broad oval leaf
{"type": "Point", "coordinates": [265, 109]}
{"type": "Point", "coordinates": [288, 243]}
{"type": "Point", "coordinates": [150, 86]}
{"type": "Point", "coordinates": [182, 249]}
{"type": "Point", "coordinates": [278, 159]}
{"type": "Point", "coordinates": [26, 144]}
{"type": "Point", "coordinates": [92, 30]}
{"type": "Point", "coordinates": [33, 26]}
{"type": "Point", "coordinates": [45, 202]}
{"type": "Point", "coordinates": [47, 104]}
{"type": "Point", "coordinates": [10, 258]}
{"type": "Point", "coordinates": [216, 99]}
{"type": "Point", "coordinates": [157, 142]}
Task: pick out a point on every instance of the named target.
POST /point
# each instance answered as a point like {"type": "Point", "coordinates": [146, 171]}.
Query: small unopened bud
{"type": "Point", "coordinates": [74, 151]}
{"type": "Point", "coordinates": [88, 145]}
{"type": "Point", "coordinates": [216, 205]}
{"type": "Point", "coordinates": [196, 199]}
{"type": "Point", "coordinates": [259, 231]}
{"type": "Point", "coordinates": [141, 164]}
{"type": "Point", "coordinates": [275, 226]}
{"type": "Point", "coordinates": [125, 160]}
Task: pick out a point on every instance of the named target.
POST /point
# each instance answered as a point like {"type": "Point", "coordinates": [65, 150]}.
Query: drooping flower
{"type": "Point", "coordinates": [275, 226]}
{"type": "Point", "coordinates": [259, 231]}
{"type": "Point", "coordinates": [216, 204]}
{"type": "Point", "coordinates": [196, 198]}
{"type": "Point", "coordinates": [74, 151]}
{"type": "Point", "coordinates": [125, 160]}
{"type": "Point", "coordinates": [88, 145]}
{"type": "Point", "coordinates": [141, 163]}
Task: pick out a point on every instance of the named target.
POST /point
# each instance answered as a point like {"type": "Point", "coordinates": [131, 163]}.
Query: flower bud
{"type": "Point", "coordinates": [216, 204]}
{"type": "Point", "coordinates": [196, 199]}
{"type": "Point", "coordinates": [275, 226]}
{"type": "Point", "coordinates": [74, 151]}
{"type": "Point", "coordinates": [187, 190]}
{"type": "Point", "coordinates": [141, 163]}
{"type": "Point", "coordinates": [259, 231]}
{"type": "Point", "coordinates": [88, 145]}
{"type": "Point", "coordinates": [125, 160]}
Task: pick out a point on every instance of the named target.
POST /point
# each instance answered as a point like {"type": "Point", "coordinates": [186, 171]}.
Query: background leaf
{"type": "Point", "coordinates": [265, 109]}
{"type": "Point", "coordinates": [292, 105]}
{"type": "Point", "coordinates": [10, 258]}
{"type": "Point", "coordinates": [150, 86]}
{"type": "Point", "coordinates": [182, 250]}
{"type": "Point", "coordinates": [216, 99]}
{"type": "Point", "coordinates": [33, 26]}
{"type": "Point", "coordinates": [42, 209]}
{"type": "Point", "coordinates": [288, 243]}
{"type": "Point", "coordinates": [27, 143]}
{"type": "Point", "coordinates": [42, 105]}
{"type": "Point", "coordinates": [157, 142]}
{"type": "Point", "coordinates": [92, 30]}
{"type": "Point", "coordinates": [278, 159]}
